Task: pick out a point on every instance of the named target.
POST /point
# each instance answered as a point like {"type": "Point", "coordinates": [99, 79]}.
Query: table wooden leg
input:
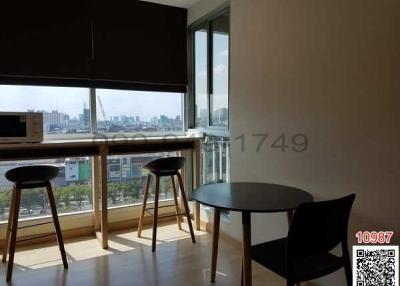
{"type": "Point", "coordinates": [196, 173]}
{"type": "Point", "coordinates": [104, 196]}
{"type": "Point", "coordinates": [217, 215]}
{"type": "Point", "coordinates": [96, 192]}
{"type": "Point", "coordinates": [246, 224]}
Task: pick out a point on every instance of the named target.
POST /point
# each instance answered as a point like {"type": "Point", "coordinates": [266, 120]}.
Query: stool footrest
{"type": "Point", "coordinates": [43, 223]}
{"type": "Point", "coordinates": [166, 206]}
{"type": "Point", "coordinates": [36, 237]}
{"type": "Point", "coordinates": [163, 216]}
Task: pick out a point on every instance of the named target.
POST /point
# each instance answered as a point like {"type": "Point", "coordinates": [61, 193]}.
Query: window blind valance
{"type": "Point", "coordinates": [124, 44]}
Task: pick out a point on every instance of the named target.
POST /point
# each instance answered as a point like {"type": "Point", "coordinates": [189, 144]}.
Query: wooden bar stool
{"type": "Point", "coordinates": [160, 168]}
{"type": "Point", "coordinates": [28, 178]}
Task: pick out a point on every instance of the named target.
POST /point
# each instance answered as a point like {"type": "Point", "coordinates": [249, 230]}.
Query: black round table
{"type": "Point", "coordinates": [247, 198]}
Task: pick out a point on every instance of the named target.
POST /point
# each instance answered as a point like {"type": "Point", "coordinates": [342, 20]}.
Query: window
{"type": "Point", "coordinates": [138, 111]}
{"type": "Point", "coordinates": [72, 188]}
{"type": "Point", "coordinates": [209, 39]}
{"type": "Point", "coordinates": [65, 110]}
{"type": "Point", "coordinates": [220, 71]}
{"type": "Point", "coordinates": [211, 72]}
{"type": "Point", "coordinates": [201, 81]}
{"type": "Point", "coordinates": [81, 112]}
{"type": "Point", "coordinates": [127, 179]}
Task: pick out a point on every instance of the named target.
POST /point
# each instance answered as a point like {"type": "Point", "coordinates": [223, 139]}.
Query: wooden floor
{"type": "Point", "coordinates": [129, 261]}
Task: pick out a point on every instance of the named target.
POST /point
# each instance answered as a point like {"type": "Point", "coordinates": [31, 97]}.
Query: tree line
{"type": "Point", "coordinates": [74, 197]}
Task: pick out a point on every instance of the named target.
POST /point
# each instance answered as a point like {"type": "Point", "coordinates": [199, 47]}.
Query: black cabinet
{"type": "Point", "coordinates": [45, 39]}
{"type": "Point", "coordinates": [140, 42]}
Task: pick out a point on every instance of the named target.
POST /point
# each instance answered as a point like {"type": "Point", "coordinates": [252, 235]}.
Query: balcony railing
{"type": "Point", "coordinates": [215, 160]}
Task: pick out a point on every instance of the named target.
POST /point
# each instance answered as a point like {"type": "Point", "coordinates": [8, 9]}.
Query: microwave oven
{"type": "Point", "coordinates": [21, 127]}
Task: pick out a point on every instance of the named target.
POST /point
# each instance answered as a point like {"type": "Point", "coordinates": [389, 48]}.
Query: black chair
{"type": "Point", "coordinates": [316, 228]}
{"type": "Point", "coordinates": [28, 178]}
{"type": "Point", "coordinates": [169, 166]}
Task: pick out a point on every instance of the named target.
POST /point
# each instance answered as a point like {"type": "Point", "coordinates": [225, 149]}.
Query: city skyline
{"type": "Point", "coordinates": [55, 122]}
{"type": "Point", "coordinates": [71, 101]}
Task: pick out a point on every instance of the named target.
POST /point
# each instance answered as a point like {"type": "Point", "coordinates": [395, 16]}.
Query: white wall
{"type": "Point", "coordinates": [329, 69]}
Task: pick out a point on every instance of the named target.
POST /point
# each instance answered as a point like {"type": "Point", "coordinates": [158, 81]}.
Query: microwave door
{"type": "Point", "coordinates": [12, 127]}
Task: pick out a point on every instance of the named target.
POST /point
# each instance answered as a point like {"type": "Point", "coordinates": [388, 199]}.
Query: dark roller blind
{"type": "Point", "coordinates": [44, 39]}
{"type": "Point", "coordinates": [140, 45]}
{"type": "Point", "coordinates": [121, 44]}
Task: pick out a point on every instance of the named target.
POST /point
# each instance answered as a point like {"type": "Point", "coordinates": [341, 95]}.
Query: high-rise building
{"type": "Point", "coordinates": [86, 116]}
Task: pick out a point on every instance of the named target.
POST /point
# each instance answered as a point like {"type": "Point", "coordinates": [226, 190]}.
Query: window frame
{"type": "Point", "coordinates": [205, 22]}
{"type": "Point", "coordinates": [92, 100]}
{"type": "Point", "coordinates": [82, 222]}
{"type": "Point", "coordinates": [93, 124]}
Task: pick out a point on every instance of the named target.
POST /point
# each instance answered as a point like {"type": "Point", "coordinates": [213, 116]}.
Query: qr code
{"type": "Point", "coordinates": [375, 265]}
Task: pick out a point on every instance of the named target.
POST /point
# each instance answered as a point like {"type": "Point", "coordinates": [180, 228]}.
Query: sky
{"type": "Point", "coordinates": [72, 100]}
{"type": "Point", "coordinates": [220, 69]}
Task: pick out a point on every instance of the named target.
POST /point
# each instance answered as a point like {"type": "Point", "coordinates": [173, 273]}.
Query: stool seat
{"type": "Point", "coordinates": [32, 175]}
{"type": "Point", "coordinates": [165, 166]}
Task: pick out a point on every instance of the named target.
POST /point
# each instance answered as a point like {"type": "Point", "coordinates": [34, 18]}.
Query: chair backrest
{"type": "Point", "coordinates": [319, 227]}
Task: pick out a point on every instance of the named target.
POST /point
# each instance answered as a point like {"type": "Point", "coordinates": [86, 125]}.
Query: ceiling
{"type": "Point", "coordinates": [176, 3]}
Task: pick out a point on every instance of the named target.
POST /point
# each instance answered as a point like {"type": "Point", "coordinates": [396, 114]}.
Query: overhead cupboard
{"type": "Point", "coordinates": [107, 44]}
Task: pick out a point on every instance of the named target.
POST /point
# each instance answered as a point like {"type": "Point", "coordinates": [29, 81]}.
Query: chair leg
{"type": "Point", "coordinates": [347, 269]}
{"type": "Point", "coordinates": [145, 195]}
{"type": "Point", "coordinates": [215, 242]}
{"type": "Point", "coordinates": [241, 278]}
{"type": "Point", "coordinates": [186, 206]}
{"type": "Point", "coordinates": [155, 215]}
{"type": "Point", "coordinates": [14, 228]}
{"type": "Point", "coordinates": [347, 263]}
{"type": "Point", "coordinates": [56, 222]}
{"type": "Point", "coordinates": [175, 195]}
{"type": "Point", "coordinates": [8, 230]}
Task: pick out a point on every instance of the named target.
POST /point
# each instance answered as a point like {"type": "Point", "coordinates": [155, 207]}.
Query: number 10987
{"type": "Point", "coordinates": [380, 237]}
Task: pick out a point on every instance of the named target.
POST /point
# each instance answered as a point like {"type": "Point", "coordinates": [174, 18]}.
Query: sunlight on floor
{"type": "Point", "coordinates": [130, 261]}
{"type": "Point", "coordinates": [45, 255]}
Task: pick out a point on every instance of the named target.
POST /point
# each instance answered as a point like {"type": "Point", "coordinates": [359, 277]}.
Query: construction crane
{"type": "Point", "coordinates": [103, 112]}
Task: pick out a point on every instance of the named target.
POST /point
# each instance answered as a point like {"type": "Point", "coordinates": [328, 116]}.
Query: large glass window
{"type": "Point", "coordinates": [220, 71]}
{"type": "Point", "coordinates": [138, 111]}
{"type": "Point", "coordinates": [72, 188]}
{"type": "Point", "coordinates": [211, 72]}
{"type": "Point", "coordinates": [127, 179]}
{"type": "Point", "coordinates": [67, 114]}
{"type": "Point", "coordinates": [210, 50]}
{"type": "Point", "coordinates": [65, 110]}
{"type": "Point", "coordinates": [201, 81]}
